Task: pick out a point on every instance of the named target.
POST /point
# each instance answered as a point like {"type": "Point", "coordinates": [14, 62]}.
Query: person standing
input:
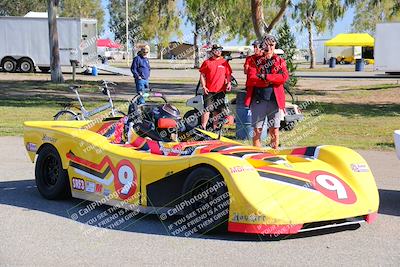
{"type": "Point", "coordinates": [215, 78]}
{"type": "Point", "coordinates": [249, 59]}
{"type": "Point", "coordinates": [140, 69]}
{"type": "Point", "coordinates": [266, 94]}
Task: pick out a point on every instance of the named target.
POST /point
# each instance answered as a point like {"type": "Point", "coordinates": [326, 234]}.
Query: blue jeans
{"type": "Point", "coordinates": [142, 86]}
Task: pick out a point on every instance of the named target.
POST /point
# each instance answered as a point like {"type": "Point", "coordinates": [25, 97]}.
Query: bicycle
{"type": "Point", "coordinates": [68, 114]}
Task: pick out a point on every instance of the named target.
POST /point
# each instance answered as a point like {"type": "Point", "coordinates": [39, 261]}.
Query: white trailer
{"type": "Point", "coordinates": [25, 42]}
{"type": "Point", "coordinates": [386, 51]}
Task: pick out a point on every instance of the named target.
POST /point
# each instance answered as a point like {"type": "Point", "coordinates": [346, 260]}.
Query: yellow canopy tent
{"type": "Point", "coordinates": [351, 39]}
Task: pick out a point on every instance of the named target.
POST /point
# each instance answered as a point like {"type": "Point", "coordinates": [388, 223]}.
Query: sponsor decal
{"type": "Point", "coordinates": [237, 217]}
{"type": "Point", "coordinates": [48, 139]}
{"type": "Point", "coordinates": [90, 187]}
{"type": "Point", "coordinates": [106, 192]}
{"type": "Point", "coordinates": [238, 169]}
{"type": "Point", "coordinates": [78, 184]}
{"type": "Point", "coordinates": [31, 147]}
{"type": "Point", "coordinates": [99, 188]}
{"type": "Point", "coordinates": [359, 167]}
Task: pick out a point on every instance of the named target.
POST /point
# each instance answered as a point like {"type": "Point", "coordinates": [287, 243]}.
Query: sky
{"type": "Point", "coordinates": [342, 26]}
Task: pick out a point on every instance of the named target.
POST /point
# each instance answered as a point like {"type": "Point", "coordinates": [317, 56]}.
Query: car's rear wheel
{"type": "Point", "coordinates": [51, 179]}
{"type": "Point", "coordinates": [207, 200]}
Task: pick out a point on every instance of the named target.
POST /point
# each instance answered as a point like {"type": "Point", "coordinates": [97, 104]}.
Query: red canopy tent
{"type": "Point", "coordinates": [107, 43]}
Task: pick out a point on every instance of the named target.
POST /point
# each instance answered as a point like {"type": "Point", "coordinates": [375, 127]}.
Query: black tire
{"type": "Point", "coordinates": [234, 82]}
{"type": "Point", "coordinates": [192, 120]}
{"type": "Point", "coordinates": [9, 64]}
{"type": "Point", "coordinates": [26, 65]}
{"type": "Point", "coordinates": [66, 115]}
{"type": "Point", "coordinates": [287, 126]}
{"type": "Point", "coordinates": [51, 179]}
{"type": "Point", "coordinates": [44, 69]}
{"type": "Point", "coordinates": [212, 209]}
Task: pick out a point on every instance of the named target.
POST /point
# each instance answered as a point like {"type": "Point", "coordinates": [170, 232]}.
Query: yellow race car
{"type": "Point", "coordinates": [152, 165]}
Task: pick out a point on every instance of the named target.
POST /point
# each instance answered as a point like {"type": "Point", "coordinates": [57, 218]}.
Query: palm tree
{"type": "Point", "coordinates": [257, 15]}
{"type": "Point", "coordinates": [318, 15]}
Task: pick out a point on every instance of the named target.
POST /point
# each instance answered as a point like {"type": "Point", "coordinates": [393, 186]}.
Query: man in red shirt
{"type": "Point", "coordinates": [215, 78]}
{"type": "Point", "coordinates": [251, 58]}
{"type": "Point", "coordinates": [265, 92]}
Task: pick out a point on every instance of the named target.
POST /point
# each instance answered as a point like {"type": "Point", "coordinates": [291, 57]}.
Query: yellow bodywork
{"type": "Point", "coordinates": [280, 197]}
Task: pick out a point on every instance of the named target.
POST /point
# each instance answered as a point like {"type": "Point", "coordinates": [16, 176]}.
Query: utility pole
{"type": "Point", "coordinates": [127, 32]}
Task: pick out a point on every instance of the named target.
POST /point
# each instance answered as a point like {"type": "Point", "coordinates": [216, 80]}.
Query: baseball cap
{"type": "Point", "coordinates": [267, 39]}
{"type": "Point", "coordinates": [256, 42]}
{"type": "Point", "coordinates": [216, 47]}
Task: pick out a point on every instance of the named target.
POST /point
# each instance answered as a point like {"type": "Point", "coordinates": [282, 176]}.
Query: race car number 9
{"type": "Point", "coordinates": [125, 176]}
{"type": "Point", "coordinates": [125, 180]}
{"type": "Point", "coordinates": [334, 188]}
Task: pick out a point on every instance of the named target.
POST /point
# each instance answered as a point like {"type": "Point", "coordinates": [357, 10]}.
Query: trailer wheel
{"type": "Point", "coordinates": [9, 64]}
{"type": "Point", "coordinates": [25, 65]}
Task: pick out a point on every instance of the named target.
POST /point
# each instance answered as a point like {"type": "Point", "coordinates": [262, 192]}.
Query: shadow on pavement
{"type": "Point", "coordinates": [24, 194]}
{"type": "Point", "coordinates": [389, 202]}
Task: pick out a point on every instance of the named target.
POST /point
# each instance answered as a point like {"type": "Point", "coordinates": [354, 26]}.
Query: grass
{"type": "Point", "coordinates": [358, 126]}
{"type": "Point", "coordinates": [372, 87]}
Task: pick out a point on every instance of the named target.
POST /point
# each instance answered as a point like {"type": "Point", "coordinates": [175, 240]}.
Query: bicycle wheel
{"type": "Point", "coordinates": [66, 115]}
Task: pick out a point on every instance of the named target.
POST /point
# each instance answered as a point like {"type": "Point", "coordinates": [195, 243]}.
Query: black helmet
{"type": "Point", "coordinates": [166, 111]}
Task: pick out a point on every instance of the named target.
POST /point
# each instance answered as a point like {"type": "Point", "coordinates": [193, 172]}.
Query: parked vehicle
{"type": "Point", "coordinates": [207, 182]}
{"type": "Point", "coordinates": [386, 52]}
{"type": "Point", "coordinates": [25, 42]}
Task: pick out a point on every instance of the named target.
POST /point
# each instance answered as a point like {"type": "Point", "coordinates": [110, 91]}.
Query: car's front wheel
{"type": "Point", "coordinates": [207, 201]}
{"type": "Point", "coordinates": [51, 179]}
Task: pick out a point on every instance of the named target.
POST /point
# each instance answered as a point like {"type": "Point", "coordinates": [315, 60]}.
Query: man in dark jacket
{"type": "Point", "coordinates": [140, 69]}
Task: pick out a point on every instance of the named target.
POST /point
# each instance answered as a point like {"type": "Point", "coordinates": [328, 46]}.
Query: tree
{"type": "Point", "coordinates": [207, 18]}
{"type": "Point", "coordinates": [287, 42]}
{"type": "Point", "coordinates": [83, 9]}
{"type": "Point", "coordinates": [117, 21]}
{"type": "Point", "coordinates": [368, 14]}
{"type": "Point", "coordinates": [318, 15]}
{"type": "Point", "coordinates": [56, 74]}
{"type": "Point", "coordinates": [257, 14]}
{"type": "Point", "coordinates": [151, 19]}
{"type": "Point", "coordinates": [21, 7]}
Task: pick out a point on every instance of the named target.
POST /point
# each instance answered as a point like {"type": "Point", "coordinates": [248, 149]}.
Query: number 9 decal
{"type": "Point", "coordinates": [125, 179]}
{"type": "Point", "coordinates": [334, 188]}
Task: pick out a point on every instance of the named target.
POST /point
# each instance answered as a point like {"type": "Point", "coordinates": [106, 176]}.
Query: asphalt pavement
{"type": "Point", "coordinates": [38, 232]}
